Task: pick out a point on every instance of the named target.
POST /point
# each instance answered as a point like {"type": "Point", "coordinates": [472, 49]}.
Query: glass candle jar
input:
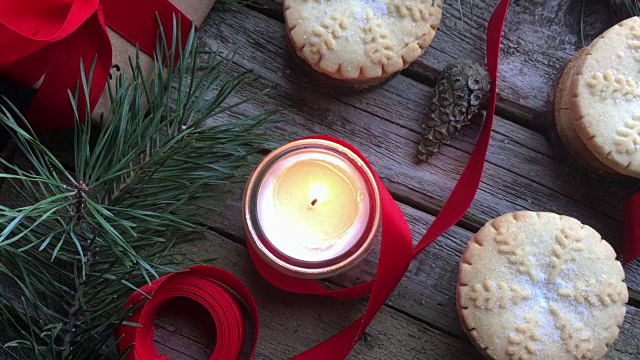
{"type": "Point", "coordinates": [311, 209]}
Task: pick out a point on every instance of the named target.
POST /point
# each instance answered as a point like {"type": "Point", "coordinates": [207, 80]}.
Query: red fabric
{"type": "Point", "coordinates": [29, 25]}
{"type": "Point", "coordinates": [51, 105]}
{"type": "Point", "coordinates": [632, 230]}
{"type": "Point", "coordinates": [134, 24]}
{"type": "Point", "coordinates": [214, 288]}
{"type": "Point", "coordinates": [51, 37]}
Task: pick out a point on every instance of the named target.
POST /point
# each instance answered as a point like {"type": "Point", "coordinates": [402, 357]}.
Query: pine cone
{"type": "Point", "coordinates": [461, 90]}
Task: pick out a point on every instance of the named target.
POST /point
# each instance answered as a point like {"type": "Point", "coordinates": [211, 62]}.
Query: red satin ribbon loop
{"type": "Point", "coordinates": [134, 24]}
{"type": "Point", "coordinates": [63, 72]}
{"type": "Point", "coordinates": [632, 230]}
{"type": "Point", "coordinates": [49, 38]}
{"type": "Point", "coordinates": [215, 289]}
{"type": "Point", "coordinates": [26, 26]}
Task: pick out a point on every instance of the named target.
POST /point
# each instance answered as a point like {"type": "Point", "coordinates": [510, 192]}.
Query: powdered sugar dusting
{"type": "Point", "coordinates": [378, 7]}
{"type": "Point", "coordinates": [359, 13]}
{"type": "Point", "coordinates": [545, 288]}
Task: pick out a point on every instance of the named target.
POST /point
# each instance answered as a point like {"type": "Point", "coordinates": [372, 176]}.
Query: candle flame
{"type": "Point", "coordinates": [318, 193]}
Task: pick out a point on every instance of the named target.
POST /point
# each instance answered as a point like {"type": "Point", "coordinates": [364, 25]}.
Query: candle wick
{"type": "Point", "coordinates": [314, 202]}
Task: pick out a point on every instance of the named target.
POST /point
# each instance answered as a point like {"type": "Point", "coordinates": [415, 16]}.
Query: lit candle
{"type": "Point", "coordinates": [311, 208]}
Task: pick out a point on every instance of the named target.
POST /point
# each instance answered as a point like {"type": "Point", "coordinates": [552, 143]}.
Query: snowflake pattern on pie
{"type": "Point", "coordinates": [522, 343]}
{"type": "Point", "coordinates": [604, 97]}
{"type": "Point", "coordinates": [360, 39]}
{"type": "Point", "coordinates": [567, 302]}
{"type": "Point", "coordinates": [628, 136]}
{"type": "Point", "coordinates": [609, 85]}
{"type": "Point", "coordinates": [416, 10]}
{"type": "Point", "coordinates": [633, 41]}
{"type": "Point", "coordinates": [323, 37]}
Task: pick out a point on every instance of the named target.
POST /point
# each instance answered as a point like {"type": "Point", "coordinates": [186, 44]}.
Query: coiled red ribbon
{"type": "Point", "coordinates": [217, 290]}
{"type": "Point", "coordinates": [49, 37]}
{"type": "Point", "coordinates": [396, 251]}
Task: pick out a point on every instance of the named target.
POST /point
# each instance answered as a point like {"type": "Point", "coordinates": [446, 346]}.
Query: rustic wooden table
{"type": "Point", "coordinates": [523, 171]}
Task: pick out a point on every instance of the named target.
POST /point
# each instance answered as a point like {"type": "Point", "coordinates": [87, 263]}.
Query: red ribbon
{"type": "Point", "coordinates": [50, 37]}
{"type": "Point", "coordinates": [632, 230]}
{"type": "Point", "coordinates": [215, 289]}
{"type": "Point", "coordinates": [396, 251]}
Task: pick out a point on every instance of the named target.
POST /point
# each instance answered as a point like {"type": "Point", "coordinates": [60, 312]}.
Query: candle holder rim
{"type": "Point", "coordinates": [299, 269]}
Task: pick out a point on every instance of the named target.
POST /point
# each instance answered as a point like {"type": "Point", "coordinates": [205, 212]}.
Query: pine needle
{"type": "Point", "coordinates": [80, 241]}
{"type": "Point", "coordinates": [471, 3]}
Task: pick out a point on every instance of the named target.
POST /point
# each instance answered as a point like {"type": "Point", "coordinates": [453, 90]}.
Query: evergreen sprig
{"type": "Point", "coordinates": [76, 243]}
{"type": "Point", "coordinates": [471, 3]}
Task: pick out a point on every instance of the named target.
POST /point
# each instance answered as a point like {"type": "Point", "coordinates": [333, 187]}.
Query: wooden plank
{"type": "Point", "coordinates": [539, 38]}
{"type": "Point", "coordinates": [522, 171]}
{"type": "Point", "coordinates": [177, 323]}
{"type": "Point", "coordinates": [293, 323]}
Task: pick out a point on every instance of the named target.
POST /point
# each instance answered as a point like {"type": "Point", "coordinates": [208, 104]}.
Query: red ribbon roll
{"type": "Point", "coordinates": [49, 37]}
{"type": "Point", "coordinates": [213, 288]}
{"type": "Point", "coordinates": [396, 250]}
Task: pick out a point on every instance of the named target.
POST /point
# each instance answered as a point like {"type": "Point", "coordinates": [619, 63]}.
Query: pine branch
{"type": "Point", "coordinates": [76, 243]}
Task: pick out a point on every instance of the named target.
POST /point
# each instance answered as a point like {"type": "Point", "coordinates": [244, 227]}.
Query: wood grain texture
{"type": "Point", "coordinates": [539, 38]}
